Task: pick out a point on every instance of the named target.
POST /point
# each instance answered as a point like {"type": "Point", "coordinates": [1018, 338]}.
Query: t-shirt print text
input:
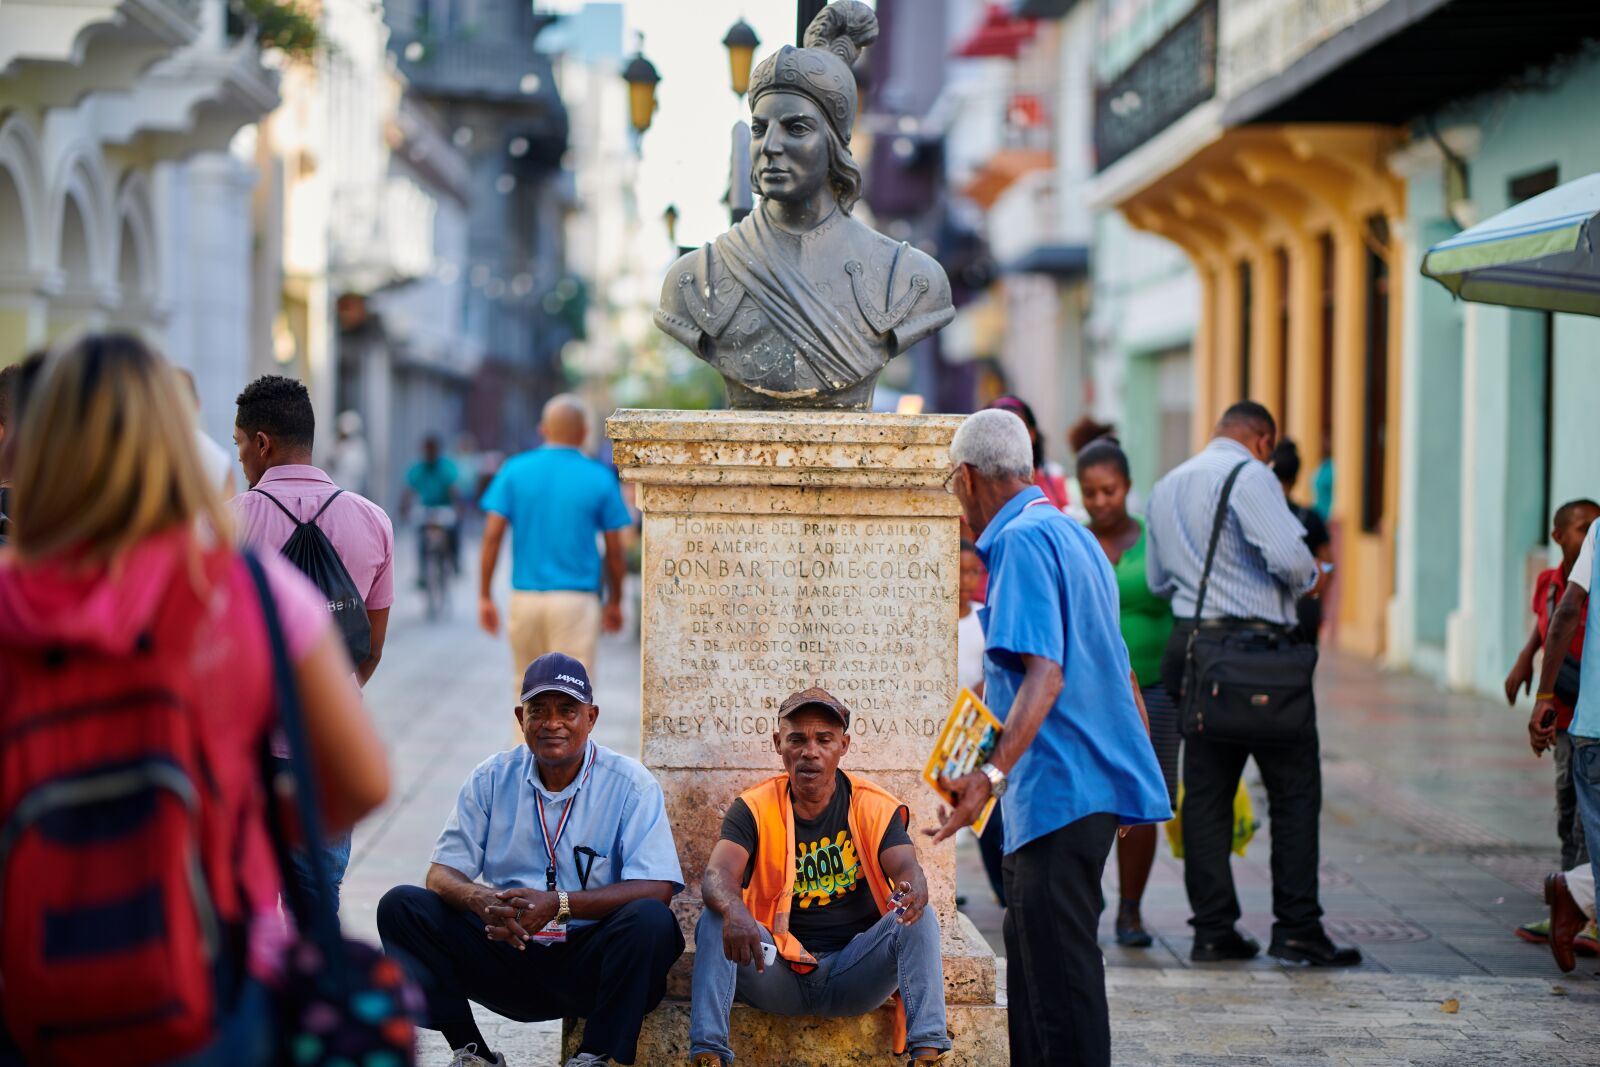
{"type": "Point", "coordinates": [824, 870]}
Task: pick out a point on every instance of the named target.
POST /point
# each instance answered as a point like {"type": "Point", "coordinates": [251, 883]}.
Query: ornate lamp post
{"type": "Point", "coordinates": [741, 43]}
{"type": "Point", "coordinates": [642, 79]}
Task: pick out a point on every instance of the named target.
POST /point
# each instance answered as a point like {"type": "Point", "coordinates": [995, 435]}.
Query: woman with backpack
{"type": "Point", "coordinates": [138, 877]}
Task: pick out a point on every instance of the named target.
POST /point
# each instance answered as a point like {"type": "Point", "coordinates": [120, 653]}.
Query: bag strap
{"type": "Point", "coordinates": [292, 516]}
{"type": "Point", "coordinates": [1216, 535]}
{"type": "Point", "coordinates": [314, 913]}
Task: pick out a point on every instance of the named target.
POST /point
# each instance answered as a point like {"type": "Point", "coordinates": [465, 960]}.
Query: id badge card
{"type": "Point", "coordinates": [551, 933]}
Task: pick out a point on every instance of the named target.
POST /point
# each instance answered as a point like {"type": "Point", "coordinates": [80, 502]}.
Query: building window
{"type": "Point", "coordinates": [1375, 415]}
{"type": "Point", "coordinates": [1281, 400]}
{"type": "Point", "coordinates": [1246, 313]}
{"type": "Point", "coordinates": [1325, 350]}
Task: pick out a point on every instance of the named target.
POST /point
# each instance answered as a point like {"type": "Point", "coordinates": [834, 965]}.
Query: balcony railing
{"type": "Point", "coordinates": [1178, 73]}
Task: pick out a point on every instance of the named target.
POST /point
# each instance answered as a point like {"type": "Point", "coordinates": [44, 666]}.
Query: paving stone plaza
{"type": "Point", "coordinates": [1437, 829]}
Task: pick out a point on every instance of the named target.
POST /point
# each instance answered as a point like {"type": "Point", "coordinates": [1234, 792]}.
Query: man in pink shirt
{"type": "Point", "coordinates": [274, 430]}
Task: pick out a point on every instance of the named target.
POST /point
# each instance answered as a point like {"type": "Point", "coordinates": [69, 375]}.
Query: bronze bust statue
{"type": "Point", "coordinates": [801, 305]}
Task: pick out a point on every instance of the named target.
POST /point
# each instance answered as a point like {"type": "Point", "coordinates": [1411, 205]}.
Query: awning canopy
{"type": "Point", "coordinates": [1539, 254]}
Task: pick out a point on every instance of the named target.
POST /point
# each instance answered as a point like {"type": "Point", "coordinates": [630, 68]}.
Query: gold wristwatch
{"type": "Point", "coordinates": [563, 912]}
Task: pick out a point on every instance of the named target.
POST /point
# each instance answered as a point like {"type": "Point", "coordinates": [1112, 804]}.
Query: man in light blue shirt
{"type": "Point", "coordinates": [1261, 569]}
{"type": "Point", "coordinates": [548, 893]}
{"type": "Point", "coordinates": [1075, 759]}
{"type": "Point", "coordinates": [1577, 605]}
{"type": "Point", "coordinates": [557, 502]}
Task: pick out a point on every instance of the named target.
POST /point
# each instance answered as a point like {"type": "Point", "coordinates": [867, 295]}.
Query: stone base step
{"type": "Point", "coordinates": [762, 1040]}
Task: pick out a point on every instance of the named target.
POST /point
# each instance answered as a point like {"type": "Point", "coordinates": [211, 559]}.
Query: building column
{"type": "Point", "coordinates": [1460, 634]}
{"type": "Point", "coordinates": [1225, 360]}
{"type": "Point", "coordinates": [1305, 336]}
{"type": "Point", "coordinates": [1202, 351]}
{"type": "Point", "coordinates": [1265, 365]}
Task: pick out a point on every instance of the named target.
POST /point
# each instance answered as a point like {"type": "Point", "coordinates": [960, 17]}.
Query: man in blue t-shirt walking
{"type": "Point", "coordinates": [557, 502]}
{"type": "Point", "coordinates": [1075, 759]}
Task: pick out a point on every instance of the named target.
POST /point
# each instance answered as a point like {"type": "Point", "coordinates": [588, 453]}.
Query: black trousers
{"type": "Point", "coordinates": [1292, 775]}
{"type": "Point", "coordinates": [611, 973]}
{"type": "Point", "coordinates": [1057, 974]}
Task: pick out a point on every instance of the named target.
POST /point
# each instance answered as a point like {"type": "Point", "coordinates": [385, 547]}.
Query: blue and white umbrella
{"type": "Point", "coordinates": [1539, 254]}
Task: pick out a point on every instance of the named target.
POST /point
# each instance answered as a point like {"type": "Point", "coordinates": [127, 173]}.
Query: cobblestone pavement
{"type": "Point", "coordinates": [1437, 826]}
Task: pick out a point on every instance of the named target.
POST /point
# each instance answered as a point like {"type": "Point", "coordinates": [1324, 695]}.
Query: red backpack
{"type": "Point", "coordinates": [117, 878]}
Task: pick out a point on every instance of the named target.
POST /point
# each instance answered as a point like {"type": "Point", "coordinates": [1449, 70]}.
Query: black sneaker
{"type": "Point", "coordinates": [1317, 951]}
{"type": "Point", "coordinates": [1230, 946]}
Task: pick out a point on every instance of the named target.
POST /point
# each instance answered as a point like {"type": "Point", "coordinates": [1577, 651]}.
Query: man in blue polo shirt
{"type": "Point", "coordinates": [577, 867]}
{"type": "Point", "coordinates": [1075, 759]}
{"type": "Point", "coordinates": [557, 502]}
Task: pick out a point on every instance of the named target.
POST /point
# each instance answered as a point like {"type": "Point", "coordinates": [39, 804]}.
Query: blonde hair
{"type": "Point", "coordinates": [105, 453]}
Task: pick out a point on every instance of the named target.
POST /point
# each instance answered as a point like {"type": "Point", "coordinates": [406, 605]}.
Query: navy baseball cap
{"type": "Point", "coordinates": [554, 672]}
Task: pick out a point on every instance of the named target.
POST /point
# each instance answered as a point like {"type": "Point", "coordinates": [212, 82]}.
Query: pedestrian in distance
{"type": "Point", "coordinates": [1569, 526]}
{"type": "Point", "coordinates": [213, 457]}
{"type": "Point", "coordinates": [8, 386]}
{"type": "Point", "coordinates": [568, 916]}
{"type": "Point", "coordinates": [1574, 610]}
{"type": "Point", "coordinates": [1233, 560]}
{"type": "Point", "coordinates": [969, 675]}
{"type": "Point", "coordinates": [1104, 480]}
{"type": "Point", "coordinates": [123, 600]}
{"type": "Point", "coordinates": [431, 483]}
{"type": "Point", "coordinates": [342, 542]}
{"type": "Point", "coordinates": [1308, 609]}
{"type": "Point", "coordinates": [1074, 760]}
{"type": "Point", "coordinates": [556, 501]}
{"type": "Point", "coordinates": [1050, 479]}
{"type": "Point", "coordinates": [815, 903]}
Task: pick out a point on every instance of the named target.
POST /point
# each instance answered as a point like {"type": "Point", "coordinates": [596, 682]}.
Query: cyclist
{"type": "Point", "coordinates": [431, 482]}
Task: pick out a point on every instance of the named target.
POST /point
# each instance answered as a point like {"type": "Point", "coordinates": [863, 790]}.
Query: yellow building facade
{"type": "Point", "coordinates": [1294, 232]}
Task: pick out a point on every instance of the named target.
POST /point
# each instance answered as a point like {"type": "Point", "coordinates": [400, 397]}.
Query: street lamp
{"type": "Point", "coordinates": [741, 43]}
{"type": "Point", "coordinates": [641, 76]}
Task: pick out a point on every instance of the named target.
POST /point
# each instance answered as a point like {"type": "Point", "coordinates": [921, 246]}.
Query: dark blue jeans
{"type": "Point", "coordinates": [1586, 784]}
{"type": "Point", "coordinates": [337, 858]}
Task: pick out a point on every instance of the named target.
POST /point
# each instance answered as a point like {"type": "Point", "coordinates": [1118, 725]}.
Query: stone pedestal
{"type": "Point", "coordinates": [784, 550]}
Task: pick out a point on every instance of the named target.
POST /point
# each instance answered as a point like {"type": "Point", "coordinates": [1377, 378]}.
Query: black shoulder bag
{"type": "Point", "coordinates": [1246, 685]}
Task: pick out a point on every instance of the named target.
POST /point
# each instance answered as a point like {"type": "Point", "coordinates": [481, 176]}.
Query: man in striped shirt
{"type": "Point", "coordinates": [1262, 568]}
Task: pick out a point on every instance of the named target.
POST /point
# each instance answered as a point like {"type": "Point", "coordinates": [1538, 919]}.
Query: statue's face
{"type": "Point", "coordinates": [789, 146]}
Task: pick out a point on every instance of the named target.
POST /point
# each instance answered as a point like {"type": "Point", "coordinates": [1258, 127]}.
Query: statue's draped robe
{"type": "Point", "coordinates": [804, 320]}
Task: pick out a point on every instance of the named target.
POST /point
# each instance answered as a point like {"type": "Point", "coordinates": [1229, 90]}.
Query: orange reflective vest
{"type": "Point", "coordinates": [770, 894]}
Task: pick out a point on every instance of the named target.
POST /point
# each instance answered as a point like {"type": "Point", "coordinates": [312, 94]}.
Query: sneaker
{"type": "Point", "coordinates": [1537, 933]}
{"type": "Point", "coordinates": [1587, 943]}
{"type": "Point", "coordinates": [922, 1057]}
{"type": "Point", "coordinates": [707, 1059]}
{"type": "Point", "coordinates": [1131, 932]}
{"type": "Point", "coordinates": [468, 1057]}
{"type": "Point", "coordinates": [588, 1059]}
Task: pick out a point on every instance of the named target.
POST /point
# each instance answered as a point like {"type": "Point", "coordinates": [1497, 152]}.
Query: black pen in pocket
{"type": "Point", "coordinates": [579, 854]}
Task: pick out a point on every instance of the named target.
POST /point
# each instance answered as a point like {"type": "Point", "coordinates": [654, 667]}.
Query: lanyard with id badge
{"type": "Point", "coordinates": [554, 932]}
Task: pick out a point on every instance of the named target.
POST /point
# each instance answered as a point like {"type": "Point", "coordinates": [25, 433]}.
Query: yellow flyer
{"type": "Point", "coordinates": [969, 737]}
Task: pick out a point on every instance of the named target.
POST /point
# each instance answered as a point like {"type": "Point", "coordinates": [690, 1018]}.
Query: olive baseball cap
{"type": "Point", "coordinates": [815, 697]}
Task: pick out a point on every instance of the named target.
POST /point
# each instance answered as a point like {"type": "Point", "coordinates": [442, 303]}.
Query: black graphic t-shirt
{"type": "Point", "coordinates": [832, 903]}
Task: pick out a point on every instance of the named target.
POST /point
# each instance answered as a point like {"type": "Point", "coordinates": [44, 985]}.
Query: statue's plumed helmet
{"type": "Point", "coordinates": [821, 70]}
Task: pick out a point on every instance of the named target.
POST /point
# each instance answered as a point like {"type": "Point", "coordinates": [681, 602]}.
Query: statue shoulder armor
{"type": "Point", "coordinates": [685, 312]}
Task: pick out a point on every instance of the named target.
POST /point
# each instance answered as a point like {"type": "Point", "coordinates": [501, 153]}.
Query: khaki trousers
{"type": "Point", "coordinates": [561, 621]}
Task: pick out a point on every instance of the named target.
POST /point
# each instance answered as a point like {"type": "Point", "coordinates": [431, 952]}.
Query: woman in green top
{"type": "Point", "coordinates": [1146, 622]}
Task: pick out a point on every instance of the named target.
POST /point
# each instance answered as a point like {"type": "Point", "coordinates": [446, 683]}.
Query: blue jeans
{"type": "Point", "coordinates": [1586, 784]}
{"type": "Point", "coordinates": [852, 981]}
{"type": "Point", "coordinates": [337, 858]}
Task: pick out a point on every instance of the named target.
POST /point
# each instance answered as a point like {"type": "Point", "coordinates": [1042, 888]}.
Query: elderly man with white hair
{"type": "Point", "coordinates": [556, 500]}
{"type": "Point", "coordinates": [1075, 759]}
